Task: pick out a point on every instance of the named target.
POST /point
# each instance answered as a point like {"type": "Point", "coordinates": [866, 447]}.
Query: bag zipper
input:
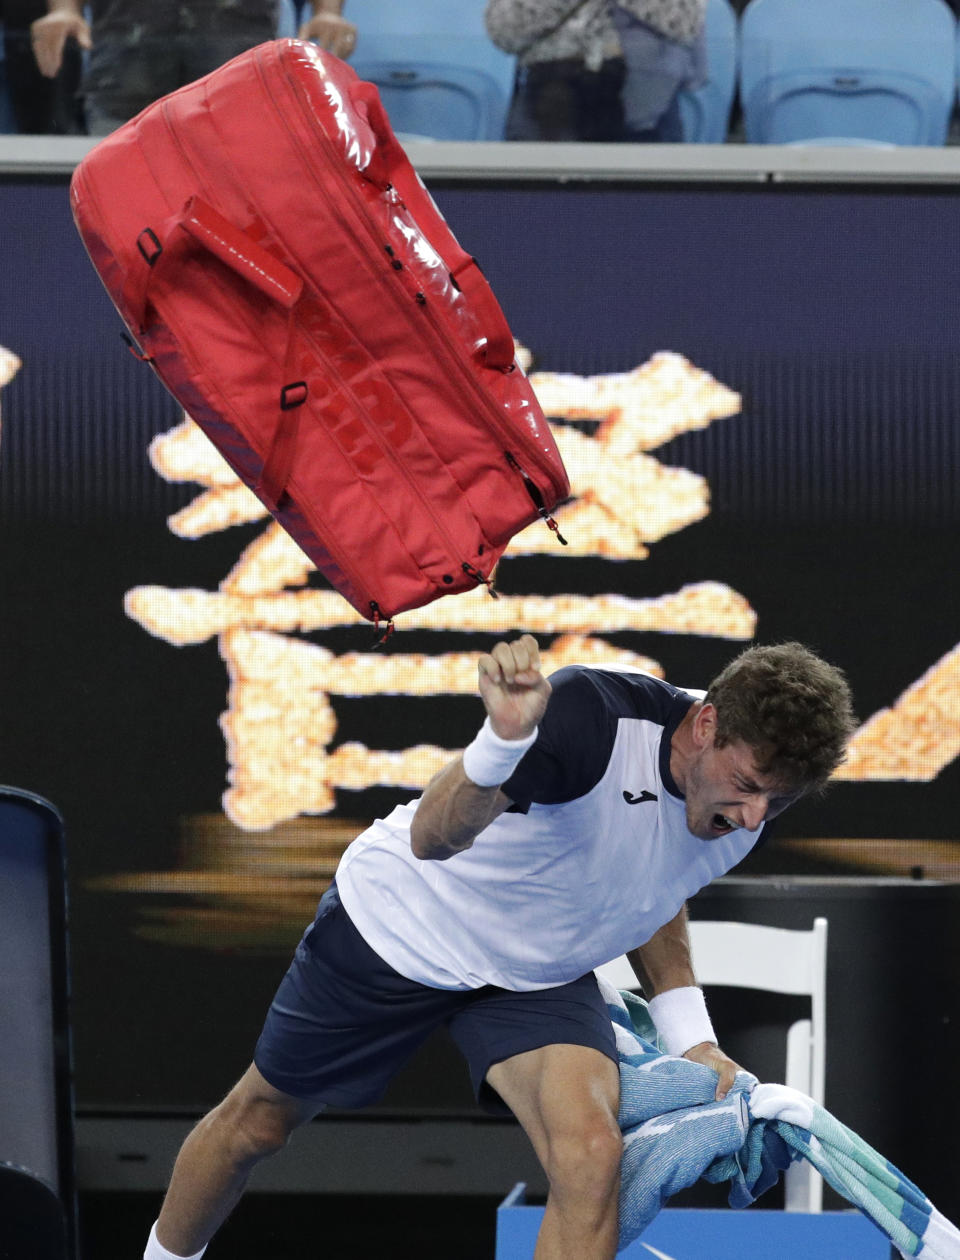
{"type": "Point", "coordinates": [534, 492]}
{"type": "Point", "coordinates": [452, 350]}
{"type": "Point", "coordinates": [453, 550]}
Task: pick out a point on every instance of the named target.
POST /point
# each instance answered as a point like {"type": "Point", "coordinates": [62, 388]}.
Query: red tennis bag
{"type": "Point", "coordinates": [279, 263]}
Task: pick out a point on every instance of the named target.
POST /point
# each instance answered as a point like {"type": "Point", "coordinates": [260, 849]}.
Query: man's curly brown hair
{"type": "Point", "coordinates": [793, 709]}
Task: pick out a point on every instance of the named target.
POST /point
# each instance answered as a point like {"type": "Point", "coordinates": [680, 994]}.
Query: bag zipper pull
{"type": "Point", "coordinates": [552, 524]}
{"type": "Point", "coordinates": [135, 349]}
{"type": "Point", "coordinates": [534, 492]}
{"type": "Point", "coordinates": [478, 577]}
{"type": "Point", "coordinates": [375, 610]}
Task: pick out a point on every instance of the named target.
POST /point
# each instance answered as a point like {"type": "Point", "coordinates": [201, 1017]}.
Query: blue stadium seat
{"type": "Point", "coordinates": [439, 74]}
{"type": "Point", "coordinates": [288, 19]}
{"type": "Point", "coordinates": [441, 97]}
{"type": "Point", "coordinates": [705, 111]}
{"type": "Point", "coordinates": [841, 70]}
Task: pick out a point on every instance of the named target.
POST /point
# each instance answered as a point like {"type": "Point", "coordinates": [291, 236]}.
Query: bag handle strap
{"type": "Point", "coordinates": [163, 252]}
{"type": "Point", "coordinates": [197, 223]}
{"type": "Point", "coordinates": [390, 165]}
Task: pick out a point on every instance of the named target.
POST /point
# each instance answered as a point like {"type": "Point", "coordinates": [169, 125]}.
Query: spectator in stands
{"type": "Point", "coordinates": [142, 49]}
{"type": "Point", "coordinates": [40, 105]}
{"type": "Point", "coordinates": [599, 69]}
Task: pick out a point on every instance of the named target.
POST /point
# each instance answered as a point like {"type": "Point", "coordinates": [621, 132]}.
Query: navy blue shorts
{"type": "Point", "coordinates": [343, 1022]}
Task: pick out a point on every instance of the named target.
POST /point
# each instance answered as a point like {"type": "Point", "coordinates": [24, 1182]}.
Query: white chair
{"type": "Point", "coordinates": [779, 960]}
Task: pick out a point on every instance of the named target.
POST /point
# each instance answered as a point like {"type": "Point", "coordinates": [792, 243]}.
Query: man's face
{"type": "Point", "coordinates": [724, 790]}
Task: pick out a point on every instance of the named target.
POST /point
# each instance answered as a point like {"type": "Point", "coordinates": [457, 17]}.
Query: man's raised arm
{"type": "Point", "coordinates": [465, 796]}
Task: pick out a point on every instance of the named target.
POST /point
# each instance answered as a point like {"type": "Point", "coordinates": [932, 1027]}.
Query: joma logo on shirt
{"type": "Point", "coordinates": [638, 800]}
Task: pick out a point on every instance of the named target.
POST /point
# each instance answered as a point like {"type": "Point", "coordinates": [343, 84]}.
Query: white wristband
{"type": "Point", "coordinates": [156, 1250]}
{"type": "Point", "coordinates": [681, 1019]}
{"type": "Point", "coordinates": [489, 760]}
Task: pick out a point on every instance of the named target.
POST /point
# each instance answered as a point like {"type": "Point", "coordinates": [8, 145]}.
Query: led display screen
{"type": "Point", "coordinates": [755, 391]}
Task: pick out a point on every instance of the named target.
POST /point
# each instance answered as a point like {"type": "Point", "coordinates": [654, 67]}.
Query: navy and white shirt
{"type": "Point", "coordinates": [592, 858]}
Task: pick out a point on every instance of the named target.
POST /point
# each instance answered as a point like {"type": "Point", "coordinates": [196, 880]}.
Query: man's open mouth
{"type": "Point", "coordinates": [722, 824]}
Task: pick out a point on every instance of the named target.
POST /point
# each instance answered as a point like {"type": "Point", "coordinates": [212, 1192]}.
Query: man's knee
{"type": "Point", "coordinates": [253, 1125]}
{"type": "Point", "coordinates": [583, 1159]}
{"type": "Point", "coordinates": [257, 1131]}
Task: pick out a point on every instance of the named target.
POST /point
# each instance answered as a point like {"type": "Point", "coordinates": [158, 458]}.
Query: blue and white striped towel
{"type": "Point", "coordinates": [674, 1132]}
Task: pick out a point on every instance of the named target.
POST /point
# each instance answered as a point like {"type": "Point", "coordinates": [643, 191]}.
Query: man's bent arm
{"type": "Point", "coordinates": [664, 964]}
{"type": "Point", "coordinates": [452, 813]}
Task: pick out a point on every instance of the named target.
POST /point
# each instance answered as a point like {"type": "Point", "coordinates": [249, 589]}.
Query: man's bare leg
{"type": "Point", "coordinates": [253, 1121]}
{"type": "Point", "coordinates": [566, 1097]}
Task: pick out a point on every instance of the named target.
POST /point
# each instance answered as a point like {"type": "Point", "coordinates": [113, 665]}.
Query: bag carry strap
{"type": "Point", "coordinates": [390, 165]}
{"type": "Point", "coordinates": [197, 223]}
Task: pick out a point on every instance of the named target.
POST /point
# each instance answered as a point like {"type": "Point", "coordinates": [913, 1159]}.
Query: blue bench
{"type": "Point", "coordinates": [715, 1234]}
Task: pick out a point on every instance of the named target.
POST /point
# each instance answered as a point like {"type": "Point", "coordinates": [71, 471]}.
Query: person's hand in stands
{"type": "Point", "coordinates": [49, 34]}
{"type": "Point", "coordinates": [330, 29]}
